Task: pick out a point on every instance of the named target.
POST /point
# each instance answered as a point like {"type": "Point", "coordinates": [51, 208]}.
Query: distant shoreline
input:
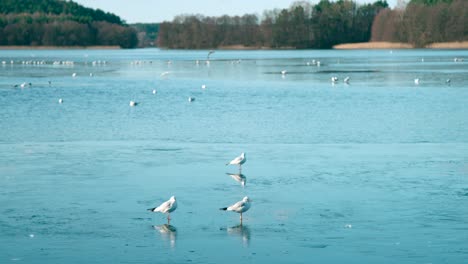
{"type": "Point", "coordinates": [345, 46]}
{"type": "Point", "coordinates": [396, 45]}
{"type": "Point", "coordinates": [59, 47]}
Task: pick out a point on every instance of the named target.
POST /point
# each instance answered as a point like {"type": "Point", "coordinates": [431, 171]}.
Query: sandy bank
{"type": "Point", "coordinates": [58, 47]}
{"type": "Point", "coordinates": [242, 47]}
{"type": "Point", "coordinates": [394, 45]}
{"type": "Point", "coordinates": [448, 45]}
{"type": "Point", "coordinates": [374, 45]}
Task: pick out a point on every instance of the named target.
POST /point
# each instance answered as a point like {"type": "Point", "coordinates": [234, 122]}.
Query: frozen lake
{"type": "Point", "coordinates": [373, 171]}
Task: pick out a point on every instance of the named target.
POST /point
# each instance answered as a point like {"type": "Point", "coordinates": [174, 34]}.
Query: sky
{"type": "Point", "coordinates": [149, 11]}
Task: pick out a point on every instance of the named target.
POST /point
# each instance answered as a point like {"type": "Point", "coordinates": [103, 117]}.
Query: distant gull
{"type": "Point", "coordinates": [416, 81]}
{"type": "Point", "coordinates": [60, 100]}
{"type": "Point", "coordinates": [203, 86]}
{"type": "Point", "coordinates": [165, 73]}
{"type": "Point", "coordinates": [239, 207]}
{"type": "Point", "coordinates": [133, 103]}
{"type": "Point", "coordinates": [448, 81]}
{"type": "Point", "coordinates": [334, 79]}
{"type": "Point", "coordinates": [238, 161]}
{"type": "Point", "coordinates": [154, 91]}
{"type": "Point", "coordinates": [74, 74]}
{"type": "Point", "coordinates": [209, 54]}
{"type": "Point", "coordinates": [167, 207]}
{"type": "Point", "coordinates": [283, 72]}
{"type": "Point", "coordinates": [346, 80]}
{"type": "Point", "coordinates": [191, 99]}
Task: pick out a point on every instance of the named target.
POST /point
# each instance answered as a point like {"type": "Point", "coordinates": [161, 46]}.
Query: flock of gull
{"type": "Point", "coordinates": [132, 103]}
{"type": "Point", "coordinates": [239, 207]}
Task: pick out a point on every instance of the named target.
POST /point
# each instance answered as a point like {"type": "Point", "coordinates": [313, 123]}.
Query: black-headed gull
{"type": "Point", "coordinates": [167, 207]}
{"type": "Point", "coordinates": [239, 207]}
{"type": "Point", "coordinates": [238, 161]}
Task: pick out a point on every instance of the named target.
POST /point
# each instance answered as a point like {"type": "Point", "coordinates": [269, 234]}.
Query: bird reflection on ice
{"type": "Point", "coordinates": [240, 230]}
{"type": "Point", "coordinates": [168, 232]}
{"type": "Point", "coordinates": [239, 177]}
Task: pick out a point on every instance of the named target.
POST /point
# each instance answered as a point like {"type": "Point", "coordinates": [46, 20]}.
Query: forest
{"type": "Point", "coordinates": [301, 26]}
{"type": "Point", "coordinates": [423, 22]}
{"type": "Point", "coordinates": [321, 26]}
{"type": "Point", "coordinates": [61, 23]}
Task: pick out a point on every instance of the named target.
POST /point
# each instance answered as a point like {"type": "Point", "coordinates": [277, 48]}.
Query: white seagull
{"type": "Point", "coordinates": [416, 81]}
{"type": "Point", "coordinates": [60, 100]}
{"type": "Point", "coordinates": [346, 80]}
{"type": "Point", "coordinates": [165, 73]}
{"type": "Point", "coordinates": [167, 207]}
{"type": "Point", "coordinates": [191, 99]}
{"type": "Point", "coordinates": [133, 103]}
{"type": "Point", "coordinates": [239, 207]}
{"type": "Point", "coordinates": [283, 72]}
{"type": "Point", "coordinates": [238, 161]}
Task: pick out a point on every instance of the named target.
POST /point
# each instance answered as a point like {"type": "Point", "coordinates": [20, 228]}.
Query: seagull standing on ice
{"type": "Point", "coordinates": [167, 207]}
{"type": "Point", "coordinates": [416, 81]}
{"type": "Point", "coordinates": [238, 161]}
{"type": "Point", "coordinates": [239, 207]}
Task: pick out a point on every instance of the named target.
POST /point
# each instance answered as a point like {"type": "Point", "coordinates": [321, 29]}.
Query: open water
{"type": "Point", "coordinates": [373, 171]}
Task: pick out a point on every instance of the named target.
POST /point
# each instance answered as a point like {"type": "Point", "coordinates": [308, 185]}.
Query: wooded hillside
{"type": "Point", "coordinates": [423, 22]}
{"type": "Point", "coordinates": [61, 23]}
{"type": "Point", "coordinates": [303, 25]}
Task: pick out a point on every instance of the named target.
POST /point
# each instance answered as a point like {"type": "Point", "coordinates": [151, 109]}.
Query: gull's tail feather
{"type": "Point", "coordinates": [151, 209]}
{"type": "Point", "coordinates": [224, 208]}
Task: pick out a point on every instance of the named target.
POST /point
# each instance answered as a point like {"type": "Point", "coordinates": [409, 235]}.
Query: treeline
{"type": "Point", "coordinates": [55, 7]}
{"type": "Point", "coordinates": [302, 26]}
{"type": "Point", "coordinates": [423, 22]}
{"type": "Point", "coordinates": [61, 23]}
{"type": "Point", "coordinates": [147, 34]}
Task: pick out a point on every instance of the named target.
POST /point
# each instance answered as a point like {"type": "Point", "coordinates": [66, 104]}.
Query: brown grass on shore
{"type": "Point", "coordinates": [374, 45]}
{"type": "Point", "coordinates": [448, 45]}
{"type": "Point", "coordinates": [242, 47]}
{"type": "Point", "coordinates": [57, 47]}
